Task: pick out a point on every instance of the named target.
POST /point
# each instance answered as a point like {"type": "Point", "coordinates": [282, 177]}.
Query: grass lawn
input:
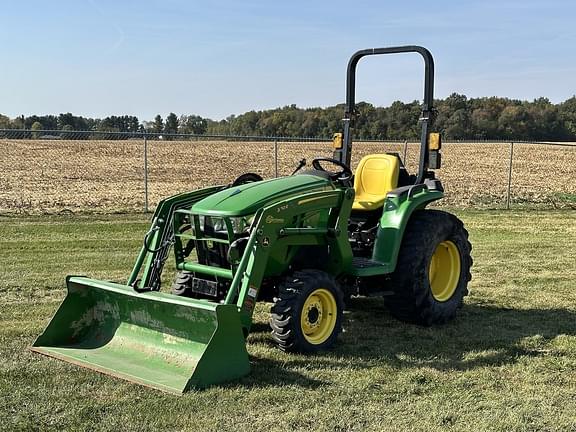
{"type": "Point", "coordinates": [508, 362]}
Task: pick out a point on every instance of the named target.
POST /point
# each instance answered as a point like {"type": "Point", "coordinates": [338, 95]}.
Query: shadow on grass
{"type": "Point", "coordinates": [266, 372]}
{"type": "Point", "coordinates": [480, 336]}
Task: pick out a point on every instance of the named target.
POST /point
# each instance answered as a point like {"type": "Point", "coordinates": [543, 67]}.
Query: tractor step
{"type": "Point", "coordinates": [366, 267]}
{"type": "Point", "coordinates": [361, 262]}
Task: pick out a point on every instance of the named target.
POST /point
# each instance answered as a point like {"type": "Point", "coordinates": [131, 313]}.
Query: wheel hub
{"type": "Point", "coordinates": [313, 315]}
{"type": "Point", "coordinates": [444, 271]}
{"type": "Point", "coordinates": [318, 317]}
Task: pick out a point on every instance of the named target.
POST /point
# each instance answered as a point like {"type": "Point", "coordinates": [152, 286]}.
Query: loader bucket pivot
{"type": "Point", "coordinates": [156, 339]}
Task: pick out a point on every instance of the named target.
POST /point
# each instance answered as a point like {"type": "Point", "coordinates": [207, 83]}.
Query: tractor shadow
{"type": "Point", "coordinates": [480, 336]}
{"type": "Point", "coordinates": [266, 372]}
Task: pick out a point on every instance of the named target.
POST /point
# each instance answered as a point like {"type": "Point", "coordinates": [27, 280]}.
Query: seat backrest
{"type": "Point", "coordinates": [376, 175]}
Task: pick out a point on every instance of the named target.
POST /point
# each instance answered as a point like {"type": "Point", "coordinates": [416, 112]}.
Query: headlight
{"type": "Point", "coordinates": [241, 224]}
{"type": "Point", "coordinates": [218, 224]}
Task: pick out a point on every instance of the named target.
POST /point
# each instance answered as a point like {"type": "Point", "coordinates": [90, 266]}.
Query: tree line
{"type": "Point", "coordinates": [457, 117]}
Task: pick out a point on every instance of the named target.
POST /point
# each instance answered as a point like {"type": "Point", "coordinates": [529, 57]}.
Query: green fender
{"type": "Point", "coordinates": [398, 209]}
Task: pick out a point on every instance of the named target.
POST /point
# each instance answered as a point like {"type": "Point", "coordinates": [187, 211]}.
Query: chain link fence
{"type": "Point", "coordinates": [106, 172]}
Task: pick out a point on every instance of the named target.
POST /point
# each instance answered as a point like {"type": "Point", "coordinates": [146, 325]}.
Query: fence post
{"type": "Point", "coordinates": [509, 175]}
{"type": "Point", "coordinates": [405, 151]}
{"type": "Point", "coordinates": [276, 158]}
{"type": "Point", "coordinates": [145, 173]}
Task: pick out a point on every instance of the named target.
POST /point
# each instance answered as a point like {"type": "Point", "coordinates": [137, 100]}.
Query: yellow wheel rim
{"type": "Point", "coordinates": [318, 317]}
{"type": "Point", "coordinates": [444, 271]}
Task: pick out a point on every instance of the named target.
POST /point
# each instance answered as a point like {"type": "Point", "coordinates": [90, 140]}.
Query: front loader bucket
{"type": "Point", "coordinates": [155, 339]}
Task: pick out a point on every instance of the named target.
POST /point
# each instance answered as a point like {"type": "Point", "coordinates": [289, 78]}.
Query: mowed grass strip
{"type": "Point", "coordinates": [508, 362]}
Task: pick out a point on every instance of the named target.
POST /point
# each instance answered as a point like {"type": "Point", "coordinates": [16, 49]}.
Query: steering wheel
{"type": "Point", "coordinates": [344, 175]}
{"type": "Point", "coordinates": [247, 178]}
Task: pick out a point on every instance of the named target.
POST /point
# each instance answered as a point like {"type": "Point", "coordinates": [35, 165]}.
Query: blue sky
{"type": "Point", "coordinates": [102, 57]}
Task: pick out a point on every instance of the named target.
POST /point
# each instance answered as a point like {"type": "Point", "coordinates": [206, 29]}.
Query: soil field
{"type": "Point", "coordinates": [51, 176]}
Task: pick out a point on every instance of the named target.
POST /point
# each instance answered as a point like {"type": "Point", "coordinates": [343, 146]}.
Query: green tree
{"type": "Point", "coordinates": [67, 132]}
{"type": "Point", "coordinates": [158, 125]}
{"type": "Point", "coordinates": [108, 124]}
{"type": "Point", "coordinates": [484, 117]}
{"type": "Point", "coordinates": [567, 114]}
{"type": "Point", "coordinates": [514, 121]}
{"type": "Point", "coordinates": [171, 126]}
{"type": "Point", "coordinates": [402, 120]}
{"type": "Point", "coordinates": [458, 117]}
{"type": "Point", "coordinates": [545, 121]}
{"type": "Point", "coordinates": [65, 120]}
{"type": "Point", "coordinates": [454, 117]}
{"type": "Point", "coordinates": [36, 126]}
{"type": "Point", "coordinates": [192, 124]}
{"type": "Point", "coordinates": [18, 123]}
{"type": "Point", "coordinates": [4, 122]}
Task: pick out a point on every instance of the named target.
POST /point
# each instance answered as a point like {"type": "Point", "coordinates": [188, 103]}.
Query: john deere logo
{"type": "Point", "coordinates": [210, 244]}
{"type": "Point", "coordinates": [272, 220]}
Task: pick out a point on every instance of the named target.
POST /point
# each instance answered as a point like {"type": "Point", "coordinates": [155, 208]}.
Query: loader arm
{"type": "Point", "coordinates": [160, 237]}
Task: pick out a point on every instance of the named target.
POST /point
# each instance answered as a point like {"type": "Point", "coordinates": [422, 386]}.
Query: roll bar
{"type": "Point", "coordinates": [426, 118]}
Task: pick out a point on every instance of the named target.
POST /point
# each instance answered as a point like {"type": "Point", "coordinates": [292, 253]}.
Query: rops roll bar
{"type": "Point", "coordinates": [426, 117]}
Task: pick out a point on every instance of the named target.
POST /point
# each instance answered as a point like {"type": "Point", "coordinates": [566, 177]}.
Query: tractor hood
{"type": "Point", "coordinates": [249, 198]}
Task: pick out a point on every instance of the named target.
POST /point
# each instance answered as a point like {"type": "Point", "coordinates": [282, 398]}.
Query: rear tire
{"type": "Point", "coordinates": [433, 269]}
{"type": "Point", "coordinates": [307, 314]}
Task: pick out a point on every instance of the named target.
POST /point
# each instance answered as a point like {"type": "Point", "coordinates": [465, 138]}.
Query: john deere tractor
{"type": "Point", "coordinates": [305, 242]}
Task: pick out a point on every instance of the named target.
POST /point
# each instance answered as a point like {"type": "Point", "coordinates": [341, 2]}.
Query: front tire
{"type": "Point", "coordinates": [182, 285]}
{"type": "Point", "coordinates": [307, 314]}
{"type": "Point", "coordinates": [433, 269]}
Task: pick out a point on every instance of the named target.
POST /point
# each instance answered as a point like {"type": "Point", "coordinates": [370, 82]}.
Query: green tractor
{"type": "Point", "coordinates": [305, 242]}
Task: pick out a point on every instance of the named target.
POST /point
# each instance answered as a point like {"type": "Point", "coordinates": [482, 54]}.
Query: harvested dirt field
{"type": "Point", "coordinates": [50, 176]}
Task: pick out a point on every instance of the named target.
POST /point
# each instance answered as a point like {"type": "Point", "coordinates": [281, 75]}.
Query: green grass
{"type": "Point", "coordinates": [565, 197]}
{"type": "Point", "coordinates": [508, 362]}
